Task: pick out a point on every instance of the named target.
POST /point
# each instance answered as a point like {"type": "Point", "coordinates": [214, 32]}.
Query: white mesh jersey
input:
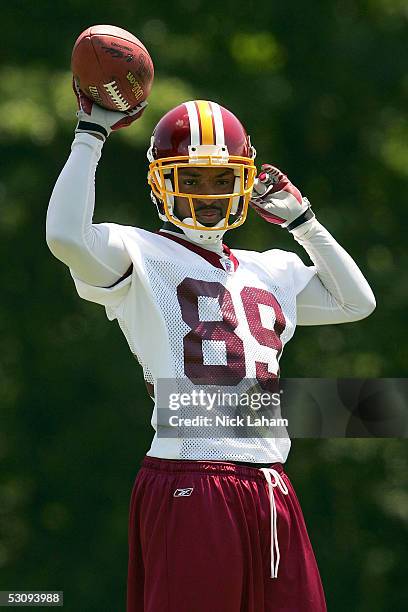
{"type": "Point", "coordinates": [188, 313]}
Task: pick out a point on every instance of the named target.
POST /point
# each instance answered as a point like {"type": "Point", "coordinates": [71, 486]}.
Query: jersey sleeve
{"type": "Point", "coordinates": [110, 297]}
{"type": "Point", "coordinates": [137, 243]}
{"type": "Point", "coordinates": [106, 295]}
{"type": "Point", "coordinates": [301, 274]}
{"type": "Point", "coordinates": [296, 273]}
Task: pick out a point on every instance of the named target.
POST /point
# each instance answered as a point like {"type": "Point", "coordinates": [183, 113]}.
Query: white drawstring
{"type": "Point", "coordinates": [278, 482]}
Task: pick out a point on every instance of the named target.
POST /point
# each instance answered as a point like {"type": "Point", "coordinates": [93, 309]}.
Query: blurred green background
{"type": "Point", "coordinates": [322, 88]}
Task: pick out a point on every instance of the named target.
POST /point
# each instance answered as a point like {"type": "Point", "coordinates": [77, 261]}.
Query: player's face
{"type": "Point", "coordinates": [203, 181]}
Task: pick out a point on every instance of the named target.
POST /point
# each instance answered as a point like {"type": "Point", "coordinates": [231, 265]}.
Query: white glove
{"type": "Point", "coordinates": [278, 201]}
{"type": "Point", "coordinates": [94, 119]}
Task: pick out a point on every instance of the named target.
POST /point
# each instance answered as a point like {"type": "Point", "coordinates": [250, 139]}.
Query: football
{"type": "Point", "coordinates": [112, 67]}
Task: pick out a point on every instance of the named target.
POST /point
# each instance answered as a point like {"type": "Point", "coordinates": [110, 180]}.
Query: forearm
{"type": "Point", "coordinates": [343, 293]}
{"type": "Point", "coordinates": [90, 250]}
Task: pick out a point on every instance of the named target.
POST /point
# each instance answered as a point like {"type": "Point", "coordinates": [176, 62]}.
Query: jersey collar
{"type": "Point", "coordinates": [213, 258]}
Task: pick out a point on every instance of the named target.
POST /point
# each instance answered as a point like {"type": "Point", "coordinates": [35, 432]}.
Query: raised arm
{"type": "Point", "coordinates": [338, 293]}
{"type": "Point", "coordinates": [94, 252]}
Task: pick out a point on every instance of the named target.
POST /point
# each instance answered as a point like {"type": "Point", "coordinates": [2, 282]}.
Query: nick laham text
{"type": "Point", "coordinates": [227, 421]}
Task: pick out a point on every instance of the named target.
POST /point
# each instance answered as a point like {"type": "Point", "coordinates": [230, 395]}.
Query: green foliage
{"type": "Point", "coordinates": [258, 51]}
{"type": "Point", "coordinates": [322, 89]}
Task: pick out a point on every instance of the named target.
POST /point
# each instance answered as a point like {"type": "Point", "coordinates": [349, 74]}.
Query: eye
{"type": "Point", "coordinates": [189, 181]}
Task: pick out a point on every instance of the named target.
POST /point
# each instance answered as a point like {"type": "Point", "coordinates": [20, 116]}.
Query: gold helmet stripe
{"type": "Point", "coordinates": [206, 122]}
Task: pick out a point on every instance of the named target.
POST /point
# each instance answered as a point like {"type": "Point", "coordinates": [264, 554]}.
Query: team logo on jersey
{"type": "Point", "coordinates": [227, 265]}
{"type": "Point", "coordinates": [183, 492]}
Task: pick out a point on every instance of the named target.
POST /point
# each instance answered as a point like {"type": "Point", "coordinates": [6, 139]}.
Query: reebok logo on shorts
{"type": "Point", "coordinates": [183, 492]}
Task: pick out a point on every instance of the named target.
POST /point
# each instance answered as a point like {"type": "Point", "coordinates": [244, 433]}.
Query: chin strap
{"type": "Point", "coordinates": [204, 236]}
{"type": "Point", "coordinates": [194, 235]}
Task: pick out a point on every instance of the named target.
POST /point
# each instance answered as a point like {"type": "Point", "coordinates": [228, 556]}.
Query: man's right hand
{"type": "Point", "coordinates": [93, 119]}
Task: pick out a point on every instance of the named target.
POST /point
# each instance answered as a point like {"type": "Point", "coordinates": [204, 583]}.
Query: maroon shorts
{"type": "Point", "coordinates": [200, 541]}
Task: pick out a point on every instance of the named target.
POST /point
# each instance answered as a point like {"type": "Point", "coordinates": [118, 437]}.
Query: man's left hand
{"type": "Point", "coordinates": [278, 201]}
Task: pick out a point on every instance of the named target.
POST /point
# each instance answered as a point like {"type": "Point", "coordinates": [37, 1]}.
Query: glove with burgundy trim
{"type": "Point", "coordinates": [94, 119]}
{"type": "Point", "coordinates": [278, 201]}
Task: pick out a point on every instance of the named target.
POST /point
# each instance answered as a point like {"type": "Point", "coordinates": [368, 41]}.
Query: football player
{"type": "Point", "coordinates": [215, 524]}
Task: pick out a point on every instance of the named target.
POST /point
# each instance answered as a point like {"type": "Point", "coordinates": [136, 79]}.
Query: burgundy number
{"type": "Point", "coordinates": [197, 371]}
{"type": "Point", "coordinates": [251, 299]}
{"type": "Point", "coordinates": [188, 293]}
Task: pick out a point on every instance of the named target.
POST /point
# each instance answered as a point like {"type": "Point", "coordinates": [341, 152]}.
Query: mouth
{"type": "Point", "coordinates": [209, 215]}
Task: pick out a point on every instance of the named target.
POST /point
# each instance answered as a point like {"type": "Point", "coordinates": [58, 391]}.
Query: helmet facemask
{"type": "Point", "coordinates": [164, 181]}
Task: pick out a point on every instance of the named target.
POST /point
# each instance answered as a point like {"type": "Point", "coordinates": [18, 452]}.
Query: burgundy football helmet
{"type": "Point", "coordinates": [203, 134]}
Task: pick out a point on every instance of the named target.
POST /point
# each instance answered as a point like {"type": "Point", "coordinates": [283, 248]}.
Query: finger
{"type": "Point", "coordinates": [129, 117]}
{"type": "Point", "coordinates": [125, 121]}
{"type": "Point", "coordinates": [269, 217]}
{"type": "Point", "coordinates": [274, 173]}
{"type": "Point", "coordinates": [75, 89]}
{"type": "Point", "coordinates": [270, 174]}
{"type": "Point", "coordinates": [271, 169]}
{"type": "Point", "coordinates": [138, 110]}
{"type": "Point", "coordinates": [140, 107]}
{"type": "Point", "coordinates": [75, 86]}
{"type": "Point", "coordinates": [84, 103]}
{"type": "Point", "coordinates": [259, 186]}
{"type": "Point", "coordinates": [268, 178]}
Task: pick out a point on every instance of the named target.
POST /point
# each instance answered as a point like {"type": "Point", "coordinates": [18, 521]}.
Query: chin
{"type": "Point", "coordinates": [210, 223]}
